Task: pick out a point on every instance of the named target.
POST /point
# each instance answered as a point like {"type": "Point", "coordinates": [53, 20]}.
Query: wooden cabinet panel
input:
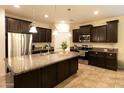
{"type": "Point", "coordinates": [94, 35]}
{"type": "Point", "coordinates": [112, 31]}
{"type": "Point", "coordinates": [73, 66]}
{"type": "Point", "coordinates": [98, 34]}
{"type": "Point", "coordinates": [25, 26]}
{"type": "Point", "coordinates": [43, 35]}
{"type": "Point", "coordinates": [48, 35]}
{"type": "Point", "coordinates": [28, 80]}
{"type": "Point", "coordinates": [63, 70]}
{"type": "Point", "coordinates": [85, 30]}
{"type": "Point", "coordinates": [50, 76]}
{"type": "Point", "coordinates": [111, 61]}
{"type": "Point", "coordinates": [36, 36]}
{"type": "Point", "coordinates": [101, 59]}
{"type": "Point", "coordinates": [76, 35]}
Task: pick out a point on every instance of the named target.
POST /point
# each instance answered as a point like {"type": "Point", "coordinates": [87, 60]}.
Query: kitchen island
{"type": "Point", "coordinates": [42, 71]}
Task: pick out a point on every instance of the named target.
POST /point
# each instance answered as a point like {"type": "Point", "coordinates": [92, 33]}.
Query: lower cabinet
{"type": "Point", "coordinates": [28, 80]}
{"type": "Point", "coordinates": [102, 59]}
{"type": "Point", "coordinates": [73, 66]}
{"type": "Point", "coordinates": [48, 76]}
{"type": "Point", "coordinates": [62, 70]}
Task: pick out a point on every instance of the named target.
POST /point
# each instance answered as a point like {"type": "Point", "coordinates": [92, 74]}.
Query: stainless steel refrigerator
{"type": "Point", "coordinates": [19, 44]}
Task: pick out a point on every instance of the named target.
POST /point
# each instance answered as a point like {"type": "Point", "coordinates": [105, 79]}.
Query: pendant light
{"type": "Point", "coordinates": [33, 27]}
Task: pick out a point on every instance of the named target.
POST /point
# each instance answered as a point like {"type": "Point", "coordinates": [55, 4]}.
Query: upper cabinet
{"type": "Point", "coordinates": [85, 30]}
{"type": "Point", "coordinates": [17, 25]}
{"type": "Point", "coordinates": [98, 34]}
{"type": "Point", "coordinates": [42, 35]}
{"type": "Point", "coordinates": [112, 31]}
{"type": "Point", "coordinates": [75, 35]}
{"type": "Point", "coordinates": [106, 33]}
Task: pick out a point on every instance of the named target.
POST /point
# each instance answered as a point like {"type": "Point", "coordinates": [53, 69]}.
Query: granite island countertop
{"type": "Point", "coordinates": [18, 65]}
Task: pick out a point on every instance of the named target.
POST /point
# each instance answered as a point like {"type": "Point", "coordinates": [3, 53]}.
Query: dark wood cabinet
{"type": "Point", "coordinates": [85, 30]}
{"type": "Point", "coordinates": [73, 66]}
{"type": "Point", "coordinates": [42, 35]}
{"type": "Point", "coordinates": [102, 59]}
{"type": "Point", "coordinates": [49, 75]}
{"type": "Point", "coordinates": [98, 34]}
{"type": "Point", "coordinates": [111, 61]}
{"type": "Point", "coordinates": [112, 31]}
{"type": "Point", "coordinates": [76, 35]}
{"type": "Point", "coordinates": [28, 80]}
{"type": "Point", "coordinates": [48, 35]}
{"type": "Point", "coordinates": [36, 36]}
{"type": "Point", "coordinates": [63, 70]}
{"type": "Point", "coordinates": [17, 25]}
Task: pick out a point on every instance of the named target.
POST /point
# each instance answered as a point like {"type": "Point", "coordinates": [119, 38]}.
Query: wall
{"type": "Point", "coordinates": [2, 42]}
{"type": "Point", "coordinates": [119, 45]}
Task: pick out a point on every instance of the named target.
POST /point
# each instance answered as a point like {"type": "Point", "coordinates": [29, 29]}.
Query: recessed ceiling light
{"type": "Point", "coordinates": [17, 6]}
{"type": "Point", "coordinates": [46, 16]}
{"type": "Point", "coordinates": [96, 12]}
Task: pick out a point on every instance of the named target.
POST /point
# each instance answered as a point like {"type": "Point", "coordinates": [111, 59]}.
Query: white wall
{"type": "Point", "coordinates": [2, 42]}
{"type": "Point", "coordinates": [119, 45]}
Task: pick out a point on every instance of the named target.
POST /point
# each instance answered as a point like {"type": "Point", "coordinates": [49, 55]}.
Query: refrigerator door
{"type": "Point", "coordinates": [19, 44]}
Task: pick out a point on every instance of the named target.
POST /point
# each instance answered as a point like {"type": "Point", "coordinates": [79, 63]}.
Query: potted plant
{"type": "Point", "coordinates": [64, 45]}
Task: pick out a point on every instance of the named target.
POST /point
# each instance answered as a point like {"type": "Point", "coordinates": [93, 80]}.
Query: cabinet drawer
{"type": "Point", "coordinates": [111, 55]}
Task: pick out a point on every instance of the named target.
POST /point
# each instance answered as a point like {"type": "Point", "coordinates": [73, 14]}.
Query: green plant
{"type": "Point", "coordinates": [64, 45]}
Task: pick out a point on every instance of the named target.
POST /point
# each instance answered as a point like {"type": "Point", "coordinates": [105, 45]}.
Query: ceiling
{"type": "Point", "coordinates": [78, 13]}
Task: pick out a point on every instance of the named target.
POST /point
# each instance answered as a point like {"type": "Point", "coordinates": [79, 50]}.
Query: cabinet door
{"type": "Point", "coordinates": [112, 31]}
{"type": "Point", "coordinates": [50, 76]}
{"type": "Point", "coordinates": [25, 26]}
{"type": "Point", "coordinates": [84, 31]}
{"type": "Point", "coordinates": [102, 33]}
{"type": "Point", "coordinates": [36, 36]}
{"type": "Point", "coordinates": [48, 35]}
{"type": "Point", "coordinates": [111, 61]}
{"type": "Point", "coordinates": [76, 35]}
{"type": "Point", "coordinates": [73, 65]}
{"type": "Point", "coordinates": [100, 60]}
{"type": "Point", "coordinates": [29, 79]}
{"type": "Point", "coordinates": [92, 58]}
{"type": "Point", "coordinates": [94, 35]}
{"type": "Point", "coordinates": [62, 70]}
{"type": "Point", "coordinates": [13, 25]}
{"type": "Point", "coordinates": [42, 35]}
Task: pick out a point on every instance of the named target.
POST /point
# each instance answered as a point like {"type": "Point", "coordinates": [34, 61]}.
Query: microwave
{"type": "Point", "coordinates": [84, 38]}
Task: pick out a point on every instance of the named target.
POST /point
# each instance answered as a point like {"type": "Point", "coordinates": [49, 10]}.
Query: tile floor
{"type": "Point", "coordinates": [86, 77]}
{"type": "Point", "coordinates": [94, 77]}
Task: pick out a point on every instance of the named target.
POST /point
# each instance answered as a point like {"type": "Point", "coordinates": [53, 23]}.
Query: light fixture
{"type": "Point", "coordinates": [17, 6]}
{"type": "Point", "coordinates": [96, 12]}
{"type": "Point", "coordinates": [46, 16]}
{"type": "Point", "coordinates": [33, 27]}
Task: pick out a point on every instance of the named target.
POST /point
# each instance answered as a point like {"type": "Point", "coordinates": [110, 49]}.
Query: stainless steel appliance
{"type": "Point", "coordinates": [84, 38]}
{"type": "Point", "coordinates": [19, 44]}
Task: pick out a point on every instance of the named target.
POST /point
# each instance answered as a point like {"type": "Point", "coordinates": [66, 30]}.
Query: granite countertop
{"type": "Point", "coordinates": [18, 65]}
{"type": "Point", "coordinates": [109, 50]}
